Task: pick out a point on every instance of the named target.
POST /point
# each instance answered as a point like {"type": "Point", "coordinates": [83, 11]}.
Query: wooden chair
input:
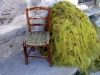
{"type": "Point", "coordinates": [37, 38]}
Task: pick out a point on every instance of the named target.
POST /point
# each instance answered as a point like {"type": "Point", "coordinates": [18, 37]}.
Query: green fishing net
{"type": "Point", "coordinates": [74, 40]}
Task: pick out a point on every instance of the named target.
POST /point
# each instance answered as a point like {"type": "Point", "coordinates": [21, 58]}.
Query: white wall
{"type": "Point", "coordinates": [46, 2]}
{"type": "Point", "coordinates": [73, 1]}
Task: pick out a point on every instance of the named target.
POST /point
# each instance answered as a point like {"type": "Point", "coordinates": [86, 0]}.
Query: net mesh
{"type": "Point", "coordinates": [74, 40]}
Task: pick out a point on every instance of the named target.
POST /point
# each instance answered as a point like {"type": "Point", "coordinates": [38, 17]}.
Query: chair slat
{"type": "Point", "coordinates": [37, 8]}
{"type": "Point", "coordinates": [30, 18]}
{"type": "Point", "coordinates": [38, 24]}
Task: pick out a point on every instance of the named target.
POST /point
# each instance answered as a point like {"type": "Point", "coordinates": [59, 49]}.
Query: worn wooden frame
{"type": "Point", "coordinates": [25, 46]}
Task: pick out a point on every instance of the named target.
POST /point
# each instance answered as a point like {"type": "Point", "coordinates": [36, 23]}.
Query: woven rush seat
{"type": "Point", "coordinates": [37, 38]}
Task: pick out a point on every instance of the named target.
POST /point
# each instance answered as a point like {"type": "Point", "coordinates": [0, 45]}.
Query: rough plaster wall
{"type": "Point", "coordinates": [11, 7]}
{"type": "Point", "coordinates": [74, 2]}
{"type": "Point", "coordinates": [47, 2]}
{"type": "Point", "coordinates": [8, 4]}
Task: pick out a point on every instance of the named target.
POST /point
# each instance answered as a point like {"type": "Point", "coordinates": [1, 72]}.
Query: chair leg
{"type": "Point", "coordinates": [49, 54]}
{"type": "Point", "coordinates": [33, 49]}
{"type": "Point", "coordinates": [25, 53]}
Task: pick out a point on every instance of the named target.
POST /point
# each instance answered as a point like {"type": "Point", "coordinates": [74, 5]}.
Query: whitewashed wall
{"type": "Point", "coordinates": [73, 1]}
{"type": "Point", "coordinates": [47, 2]}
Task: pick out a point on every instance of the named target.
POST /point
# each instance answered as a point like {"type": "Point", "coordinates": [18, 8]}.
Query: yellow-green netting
{"type": "Point", "coordinates": [74, 40]}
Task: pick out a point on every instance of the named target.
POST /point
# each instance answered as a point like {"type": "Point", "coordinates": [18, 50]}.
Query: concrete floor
{"type": "Point", "coordinates": [13, 63]}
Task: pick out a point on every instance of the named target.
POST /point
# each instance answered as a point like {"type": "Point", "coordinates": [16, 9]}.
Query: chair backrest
{"type": "Point", "coordinates": [38, 16]}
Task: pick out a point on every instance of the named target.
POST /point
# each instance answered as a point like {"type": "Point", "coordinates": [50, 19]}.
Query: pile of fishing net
{"type": "Point", "coordinates": [74, 40]}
